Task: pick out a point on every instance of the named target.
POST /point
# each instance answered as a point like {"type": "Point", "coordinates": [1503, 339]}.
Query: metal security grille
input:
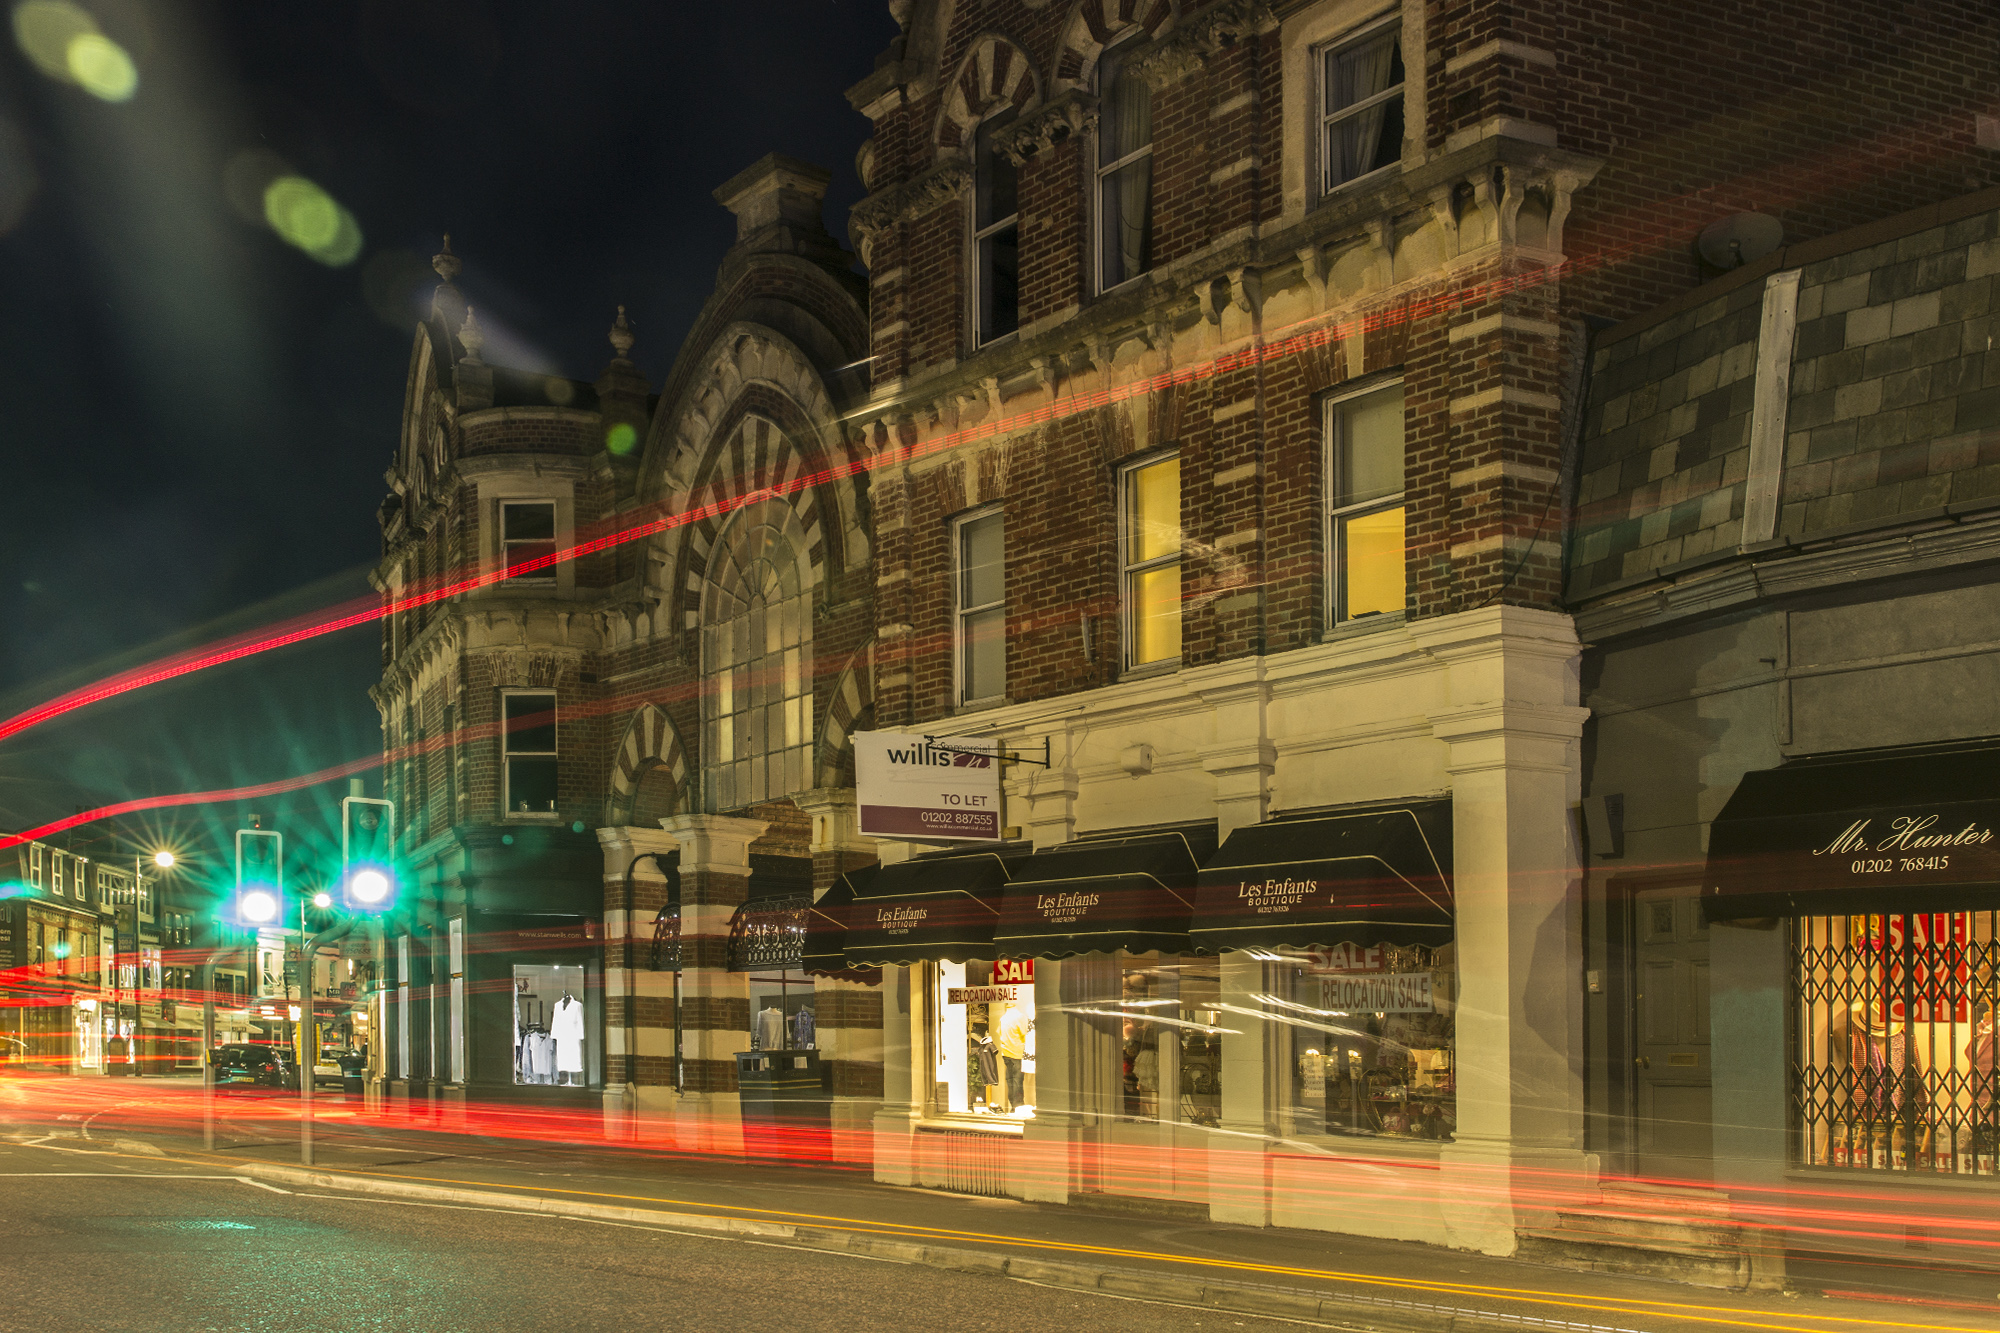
{"type": "Point", "coordinates": [968, 1163]}
{"type": "Point", "coordinates": [1894, 1063]}
{"type": "Point", "coordinates": [770, 933]}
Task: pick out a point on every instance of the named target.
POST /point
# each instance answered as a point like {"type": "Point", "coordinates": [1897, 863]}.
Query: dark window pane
{"type": "Point", "coordinates": [1125, 214]}
{"type": "Point", "coordinates": [1000, 283]}
{"type": "Point", "coordinates": [983, 560]}
{"type": "Point", "coordinates": [531, 723]}
{"type": "Point", "coordinates": [519, 553]}
{"type": "Point", "coordinates": [998, 184]}
{"type": "Point", "coordinates": [528, 522]}
{"type": "Point", "coordinates": [1125, 123]}
{"type": "Point", "coordinates": [531, 785]}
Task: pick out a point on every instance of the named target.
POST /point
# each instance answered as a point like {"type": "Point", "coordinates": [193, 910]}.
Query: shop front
{"type": "Point", "coordinates": [550, 976]}
{"type": "Point", "coordinates": [1146, 1021]}
{"type": "Point", "coordinates": [1873, 884]}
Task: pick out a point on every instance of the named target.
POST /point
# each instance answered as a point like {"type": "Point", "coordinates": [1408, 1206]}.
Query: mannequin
{"type": "Point", "coordinates": [566, 1026]}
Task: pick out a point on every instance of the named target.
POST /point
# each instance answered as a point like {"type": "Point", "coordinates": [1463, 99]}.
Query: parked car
{"type": "Point", "coordinates": [337, 1064]}
{"type": "Point", "coordinates": [252, 1064]}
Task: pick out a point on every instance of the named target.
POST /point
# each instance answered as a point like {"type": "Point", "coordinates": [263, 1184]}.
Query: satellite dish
{"type": "Point", "coordinates": [1741, 238]}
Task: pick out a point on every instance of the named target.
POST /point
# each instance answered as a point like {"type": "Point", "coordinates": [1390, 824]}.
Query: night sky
{"type": "Point", "coordinates": [197, 415]}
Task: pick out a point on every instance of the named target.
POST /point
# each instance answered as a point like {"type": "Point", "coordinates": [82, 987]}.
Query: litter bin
{"type": "Point", "coordinates": [117, 1053]}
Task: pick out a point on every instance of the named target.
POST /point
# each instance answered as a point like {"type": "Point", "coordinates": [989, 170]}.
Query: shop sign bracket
{"type": "Point", "coordinates": [1004, 756]}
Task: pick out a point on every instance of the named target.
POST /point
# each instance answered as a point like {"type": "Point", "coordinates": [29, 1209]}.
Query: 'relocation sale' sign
{"type": "Point", "coordinates": [933, 788]}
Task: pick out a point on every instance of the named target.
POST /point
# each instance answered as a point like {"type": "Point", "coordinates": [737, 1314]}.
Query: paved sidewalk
{"type": "Point", "coordinates": [1319, 1277]}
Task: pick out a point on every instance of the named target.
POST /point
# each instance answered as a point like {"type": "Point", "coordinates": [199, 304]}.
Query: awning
{"type": "Point", "coordinates": [1819, 837]}
{"type": "Point", "coordinates": [825, 948]}
{"type": "Point", "coordinates": [942, 906]}
{"type": "Point", "coordinates": [1135, 894]}
{"type": "Point", "coordinates": [1378, 876]}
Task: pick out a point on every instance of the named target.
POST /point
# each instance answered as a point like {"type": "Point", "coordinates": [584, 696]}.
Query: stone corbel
{"type": "Point", "coordinates": [1046, 374]}
{"type": "Point", "coordinates": [1382, 244]}
{"type": "Point", "coordinates": [1246, 291]}
{"type": "Point", "coordinates": [914, 198]}
{"type": "Point", "coordinates": [1075, 112]}
{"type": "Point", "coordinates": [1564, 185]}
{"type": "Point", "coordinates": [1312, 268]}
{"type": "Point", "coordinates": [1191, 46]}
{"type": "Point", "coordinates": [1513, 193]}
{"type": "Point", "coordinates": [1445, 209]}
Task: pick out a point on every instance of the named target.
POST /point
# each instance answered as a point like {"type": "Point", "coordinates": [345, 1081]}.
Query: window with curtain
{"type": "Point", "coordinates": [757, 660]}
{"type": "Point", "coordinates": [979, 552]}
{"type": "Point", "coordinates": [996, 236]}
{"type": "Point", "coordinates": [1124, 171]}
{"type": "Point", "coordinates": [1152, 561]}
{"type": "Point", "coordinates": [1361, 103]}
{"type": "Point", "coordinates": [1365, 514]}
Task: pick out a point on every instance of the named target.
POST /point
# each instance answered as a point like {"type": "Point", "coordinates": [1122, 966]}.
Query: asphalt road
{"type": "Point", "coordinates": [92, 1239]}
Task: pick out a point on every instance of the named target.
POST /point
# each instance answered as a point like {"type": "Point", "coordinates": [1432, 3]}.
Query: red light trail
{"type": "Point", "coordinates": [304, 629]}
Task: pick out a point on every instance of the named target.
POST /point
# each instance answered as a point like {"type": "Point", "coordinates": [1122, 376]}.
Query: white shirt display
{"type": "Point", "coordinates": [566, 1026]}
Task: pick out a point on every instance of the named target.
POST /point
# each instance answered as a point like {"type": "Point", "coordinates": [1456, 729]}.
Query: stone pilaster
{"type": "Point", "coordinates": [638, 1001]}
{"type": "Point", "coordinates": [714, 1009]}
{"type": "Point", "coordinates": [848, 1013]}
{"type": "Point", "coordinates": [1513, 726]}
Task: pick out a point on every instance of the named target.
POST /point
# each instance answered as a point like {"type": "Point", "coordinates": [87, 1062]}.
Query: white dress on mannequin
{"type": "Point", "coordinates": [566, 1026]}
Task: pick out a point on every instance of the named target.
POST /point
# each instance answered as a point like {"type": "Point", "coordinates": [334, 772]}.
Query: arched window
{"type": "Point", "coordinates": [756, 653]}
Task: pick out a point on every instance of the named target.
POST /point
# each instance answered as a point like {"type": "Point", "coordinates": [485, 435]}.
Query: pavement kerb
{"type": "Point", "coordinates": [1361, 1314]}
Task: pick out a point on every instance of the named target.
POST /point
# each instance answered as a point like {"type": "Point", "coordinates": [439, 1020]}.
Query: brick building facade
{"type": "Point", "coordinates": [1253, 336]}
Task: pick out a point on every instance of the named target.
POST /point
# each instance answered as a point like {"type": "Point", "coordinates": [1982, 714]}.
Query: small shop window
{"type": "Point", "coordinates": [1370, 1035]}
{"type": "Point", "coordinates": [1894, 1069]}
{"type": "Point", "coordinates": [983, 1045]}
{"type": "Point", "coordinates": [550, 1031]}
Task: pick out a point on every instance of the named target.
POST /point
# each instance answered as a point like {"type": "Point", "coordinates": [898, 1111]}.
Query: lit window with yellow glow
{"type": "Point", "coordinates": [1151, 555]}
{"type": "Point", "coordinates": [1365, 520]}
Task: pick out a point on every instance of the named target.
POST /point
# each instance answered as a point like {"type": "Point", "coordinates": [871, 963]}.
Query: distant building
{"type": "Point", "coordinates": [83, 987]}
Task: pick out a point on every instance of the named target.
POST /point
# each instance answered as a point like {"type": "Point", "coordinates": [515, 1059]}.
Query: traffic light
{"type": "Point", "coordinates": [259, 900]}
{"type": "Point", "coordinates": [368, 879]}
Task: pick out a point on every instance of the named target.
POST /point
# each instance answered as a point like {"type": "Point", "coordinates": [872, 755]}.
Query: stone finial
{"type": "Point", "coordinates": [445, 262]}
{"type": "Point", "coordinates": [471, 336]}
{"type": "Point", "coordinates": [622, 337]}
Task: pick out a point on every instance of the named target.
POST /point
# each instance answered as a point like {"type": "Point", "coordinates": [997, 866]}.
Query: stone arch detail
{"type": "Point", "coordinates": [995, 72]}
{"type": "Point", "coordinates": [707, 462]}
{"type": "Point", "coordinates": [754, 459]}
{"type": "Point", "coordinates": [1096, 24]}
{"type": "Point", "coordinates": [851, 708]}
{"type": "Point", "coordinates": [650, 738]}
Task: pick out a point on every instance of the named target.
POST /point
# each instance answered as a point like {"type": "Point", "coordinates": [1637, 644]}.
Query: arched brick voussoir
{"type": "Point", "coordinates": [749, 367]}
{"type": "Point", "coordinates": [650, 738]}
{"type": "Point", "coordinates": [848, 709]}
{"type": "Point", "coordinates": [1096, 24]}
{"type": "Point", "coordinates": [995, 71]}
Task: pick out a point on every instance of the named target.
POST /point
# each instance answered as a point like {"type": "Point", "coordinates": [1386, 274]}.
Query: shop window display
{"type": "Point", "coordinates": [1896, 1062]}
{"type": "Point", "coordinates": [1170, 1049]}
{"type": "Point", "coordinates": [549, 1028]}
{"type": "Point", "coordinates": [782, 1015]}
{"type": "Point", "coordinates": [1370, 1031]}
{"type": "Point", "coordinates": [985, 1039]}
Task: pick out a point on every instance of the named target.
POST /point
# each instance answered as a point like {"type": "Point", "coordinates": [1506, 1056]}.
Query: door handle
{"type": "Point", "coordinates": [1644, 1062]}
